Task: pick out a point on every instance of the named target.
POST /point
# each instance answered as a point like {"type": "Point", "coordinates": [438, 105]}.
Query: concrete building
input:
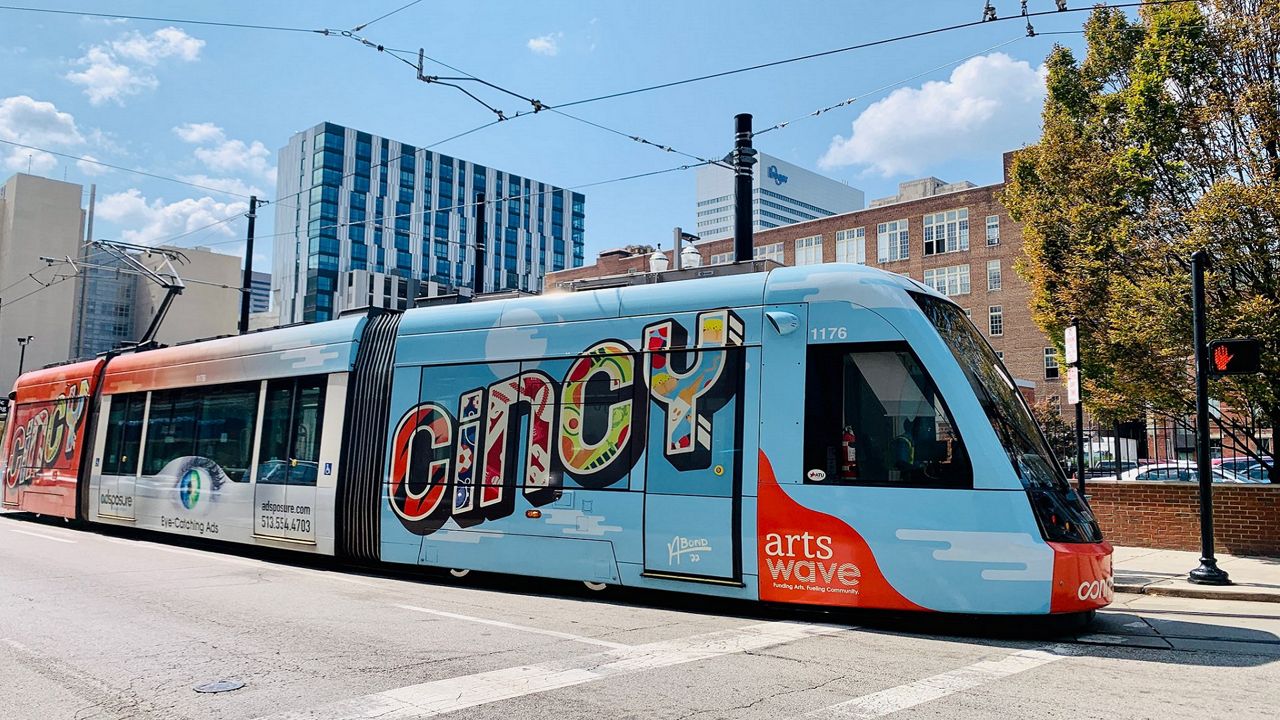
{"type": "Point", "coordinates": [365, 220]}
{"type": "Point", "coordinates": [954, 237]}
{"type": "Point", "coordinates": [208, 307]}
{"type": "Point", "coordinates": [782, 194]}
{"type": "Point", "coordinates": [38, 217]}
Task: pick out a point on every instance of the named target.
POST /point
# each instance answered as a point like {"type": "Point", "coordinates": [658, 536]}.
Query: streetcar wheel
{"type": "Point", "coordinates": [459, 573]}
{"type": "Point", "coordinates": [595, 586]}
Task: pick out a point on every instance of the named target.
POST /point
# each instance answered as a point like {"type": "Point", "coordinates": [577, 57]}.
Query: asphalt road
{"type": "Point", "coordinates": [96, 625]}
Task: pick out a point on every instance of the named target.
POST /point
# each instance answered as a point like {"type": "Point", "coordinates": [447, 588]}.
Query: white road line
{"type": "Point", "coordinates": [41, 535]}
{"type": "Point", "coordinates": [445, 696]}
{"type": "Point", "coordinates": [909, 695]}
{"type": "Point", "coordinates": [521, 628]}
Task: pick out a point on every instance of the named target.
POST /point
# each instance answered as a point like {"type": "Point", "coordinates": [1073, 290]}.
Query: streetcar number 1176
{"type": "Point", "coordinates": [830, 333]}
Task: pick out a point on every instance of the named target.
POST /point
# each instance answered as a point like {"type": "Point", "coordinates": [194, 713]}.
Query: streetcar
{"type": "Point", "coordinates": [828, 435]}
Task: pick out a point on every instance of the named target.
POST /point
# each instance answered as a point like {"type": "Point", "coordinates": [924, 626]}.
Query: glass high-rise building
{"type": "Point", "coordinates": [363, 220]}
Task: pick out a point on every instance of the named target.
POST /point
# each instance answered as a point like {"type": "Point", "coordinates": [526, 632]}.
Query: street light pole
{"type": "Point", "coordinates": [22, 351]}
{"type": "Point", "coordinates": [1208, 573]}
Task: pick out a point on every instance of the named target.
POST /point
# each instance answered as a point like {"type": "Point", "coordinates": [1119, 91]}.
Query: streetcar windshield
{"type": "Point", "coordinates": [1005, 407]}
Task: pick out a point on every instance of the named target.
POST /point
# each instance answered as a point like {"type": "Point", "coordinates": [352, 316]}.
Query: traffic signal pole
{"type": "Point", "coordinates": [1208, 573]}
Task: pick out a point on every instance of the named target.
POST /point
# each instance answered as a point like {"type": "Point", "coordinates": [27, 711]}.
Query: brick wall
{"type": "Point", "coordinates": [1167, 516]}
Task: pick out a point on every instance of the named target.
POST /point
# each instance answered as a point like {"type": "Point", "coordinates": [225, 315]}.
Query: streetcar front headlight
{"type": "Point", "coordinates": [1063, 517]}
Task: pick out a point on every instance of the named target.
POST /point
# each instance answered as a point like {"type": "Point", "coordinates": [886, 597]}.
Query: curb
{"type": "Point", "coordinates": [1216, 593]}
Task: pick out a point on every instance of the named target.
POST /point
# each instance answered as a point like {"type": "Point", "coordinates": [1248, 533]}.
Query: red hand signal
{"type": "Point", "coordinates": [1221, 358]}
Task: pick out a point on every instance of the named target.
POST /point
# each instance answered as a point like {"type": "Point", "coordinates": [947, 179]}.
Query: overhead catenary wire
{"type": "Point", "coordinates": [466, 205]}
{"type": "Point", "coordinates": [536, 105]}
{"type": "Point", "coordinates": [886, 86]}
{"type": "Point", "coordinates": [384, 16]}
{"type": "Point", "coordinates": [849, 48]}
{"type": "Point", "coordinates": [125, 169]}
{"type": "Point", "coordinates": [185, 21]}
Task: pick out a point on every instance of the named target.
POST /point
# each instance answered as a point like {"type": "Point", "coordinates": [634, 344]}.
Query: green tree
{"type": "Point", "coordinates": [1164, 140]}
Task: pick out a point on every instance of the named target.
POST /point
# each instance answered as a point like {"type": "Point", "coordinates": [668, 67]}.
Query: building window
{"type": "Point", "coordinates": [722, 258]}
{"type": "Point", "coordinates": [995, 320]}
{"type": "Point", "coordinates": [851, 246]}
{"type": "Point", "coordinates": [1000, 354]}
{"type": "Point", "coordinates": [892, 241]}
{"type": "Point", "coordinates": [946, 231]}
{"type": "Point", "coordinates": [993, 275]}
{"type": "Point", "coordinates": [1050, 364]}
{"type": "Point", "coordinates": [949, 281]}
{"type": "Point", "coordinates": [809, 250]}
{"type": "Point", "coordinates": [968, 313]}
{"type": "Point", "coordinates": [769, 252]}
{"type": "Point", "coordinates": [993, 229]}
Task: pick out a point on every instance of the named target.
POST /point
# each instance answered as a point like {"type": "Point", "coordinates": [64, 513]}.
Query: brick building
{"type": "Point", "coordinates": [954, 237]}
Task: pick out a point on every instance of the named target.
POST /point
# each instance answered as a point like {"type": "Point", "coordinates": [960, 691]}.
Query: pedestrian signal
{"type": "Point", "coordinates": [1234, 357]}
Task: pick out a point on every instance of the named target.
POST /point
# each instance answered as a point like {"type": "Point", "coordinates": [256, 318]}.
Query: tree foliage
{"type": "Point", "coordinates": [1163, 140]}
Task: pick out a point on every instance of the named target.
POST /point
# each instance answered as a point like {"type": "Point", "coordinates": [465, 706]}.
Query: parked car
{"type": "Point", "coordinates": [1179, 472]}
{"type": "Point", "coordinates": [1245, 466]}
{"type": "Point", "coordinates": [1103, 468]}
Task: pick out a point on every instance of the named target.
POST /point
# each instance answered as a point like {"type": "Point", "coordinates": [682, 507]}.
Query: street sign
{"type": "Point", "coordinates": [1073, 385]}
{"type": "Point", "coordinates": [1235, 357]}
{"type": "Point", "coordinates": [1070, 348]}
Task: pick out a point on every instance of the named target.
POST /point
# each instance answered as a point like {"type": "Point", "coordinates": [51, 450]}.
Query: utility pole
{"type": "Point", "coordinates": [744, 157]}
{"type": "Point", "coordinates": [677, 234]}
{"type": "Point", "coordinates": [246, 297]}
{"type": "Point", "coordinates": [477, 271]}
{"type": "Point", "coordinates": [1208, 573]}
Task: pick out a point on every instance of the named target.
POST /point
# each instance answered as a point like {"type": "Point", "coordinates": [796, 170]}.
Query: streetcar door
{"type": "Point", "coordinates": [694, 461]}
{"type": "Point", "coordinates": [289, 458]}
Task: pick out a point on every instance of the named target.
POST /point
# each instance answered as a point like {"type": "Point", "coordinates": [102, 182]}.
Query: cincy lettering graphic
{"type": "Point", "coordinates": [588, 425]}
{"type": "Point", "coordinates": [692, 385]}
{"type": "Point", "coordinates": [46, 435]}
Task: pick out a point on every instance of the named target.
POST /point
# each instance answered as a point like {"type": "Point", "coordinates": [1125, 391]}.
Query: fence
{"type": "Point", "coordinates": [1160, 438]}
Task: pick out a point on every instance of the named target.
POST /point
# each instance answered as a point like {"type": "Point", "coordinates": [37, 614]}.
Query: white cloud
{"type": "Point", "coordinates": [34, 162]}
{"type": "Point", "coordinates": [34, 122]}
{"type": "Point", "coordinates": [163, 43]}
{"type": "Point", "coordinates": [88, 165]}
{"type": "Point", "coordinates": [989, 104]}
{"type": "Point", "coordinates": [223, 155]}
{"type": "Point", "coordinates": [107, 78]}
{"type": "Point", "coordinates": [199, 133]}
{"type": "Point", "coordinates": [146, 221]}
{"type": "Point", "coordinates": [548, 44]}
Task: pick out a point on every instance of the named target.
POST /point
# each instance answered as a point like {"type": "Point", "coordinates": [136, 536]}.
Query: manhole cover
{"type": "Point", "coordinates": [218, 686]}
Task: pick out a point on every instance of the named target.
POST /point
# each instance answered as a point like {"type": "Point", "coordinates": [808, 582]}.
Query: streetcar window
{"type": "Point", "coordinates": [224, 433]}
{"type": "Point", "coordinates": [215, 423]}
{"type": "Point", "coordinates": [124, 434]}
{"type": "Point", "coordinates": [171, 429]}
{"type": "Point", "coordinates": [291, 424]}
{"type": "Point", "coordinates": [1004, 405]}
{"type": "Point", "coordinates": [873, 416]}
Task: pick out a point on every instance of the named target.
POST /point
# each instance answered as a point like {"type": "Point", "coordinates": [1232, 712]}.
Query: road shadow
{"type": "Point", "coordinates": [1185, 637]}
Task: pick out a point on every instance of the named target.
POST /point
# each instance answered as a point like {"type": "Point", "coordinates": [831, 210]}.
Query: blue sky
{"type": "Point", "coordinates": [214, 105]}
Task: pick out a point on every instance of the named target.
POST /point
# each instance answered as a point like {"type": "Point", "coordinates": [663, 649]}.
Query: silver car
{"type": "Point", "coordinates": [1180, 472]}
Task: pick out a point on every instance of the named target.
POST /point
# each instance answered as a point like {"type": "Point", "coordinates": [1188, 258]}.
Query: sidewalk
{"type": "Point", "coordinates": [1149, 571]}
